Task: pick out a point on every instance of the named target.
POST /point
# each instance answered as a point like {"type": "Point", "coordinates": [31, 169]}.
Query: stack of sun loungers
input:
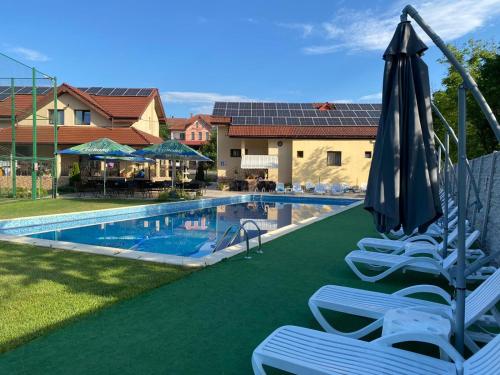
{"type": "Point", "coordinates": [306, 351]}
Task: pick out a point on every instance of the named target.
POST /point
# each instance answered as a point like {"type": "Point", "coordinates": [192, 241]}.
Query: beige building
{"type": "Point", "coordinates": [127, 116]}
{"type": "Point", "coordinates": [296, 142]}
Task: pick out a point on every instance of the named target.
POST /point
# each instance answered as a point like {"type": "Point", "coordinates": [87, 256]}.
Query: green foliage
{"type": "Point", "coordinates": [74, 174]}
{"type": "Point", "coordinates": [173, 195]}
{"type": "Point", "coordinates": [22, 192]}
{"type": "Point", "coordinates": [483, 63]}
{"type": "Point", "coordinates": [164, 132]}
{"type": "Point", "coordinates": [209, 149]}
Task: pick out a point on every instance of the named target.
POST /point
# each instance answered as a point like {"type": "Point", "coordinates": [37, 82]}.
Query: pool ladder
{"type": "Point", "coordinates": [241, 228]}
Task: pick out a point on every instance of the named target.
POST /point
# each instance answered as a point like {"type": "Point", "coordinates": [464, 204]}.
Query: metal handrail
{"type": "Point", "coordinates": [259, 249]}
{"type": "Point", "coordinates": [247, 238]}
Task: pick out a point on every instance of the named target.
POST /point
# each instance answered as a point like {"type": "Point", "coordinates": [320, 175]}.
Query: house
{"type": "Point", "coordinates": [193, 131]}
{"type": "Point", "coordinates": [296, 142]}
{"type": "Point", "coordinates": [127, 116]}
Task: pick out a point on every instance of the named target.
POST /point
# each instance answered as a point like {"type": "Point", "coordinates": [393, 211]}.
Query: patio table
{"type": "Point", "coordinates": [411, 320]}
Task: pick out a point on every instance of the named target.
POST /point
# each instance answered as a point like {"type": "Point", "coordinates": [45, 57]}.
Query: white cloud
{"type": "Point", "coordinates": [372, 29]}
{"type": "Point", "coordinates": [376, 96]}
{"type": "Point", "coordinates": [305, 29]}
{"type": "Point", "coordinates": [29, 54]}
{"type": "Point", "coordinates": [201, 97]}
{"type": "Point", "coordinates": [206, 108]}
{"type": "Point", "coordinates": [341, 101]}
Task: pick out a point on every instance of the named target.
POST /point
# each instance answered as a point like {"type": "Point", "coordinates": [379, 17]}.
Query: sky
{"type": "Point", "coordinates": [198, 52]}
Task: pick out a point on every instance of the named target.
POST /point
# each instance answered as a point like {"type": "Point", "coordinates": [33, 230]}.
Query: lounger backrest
{"type": "Point", "coordinates": [483, 298]}
{"type": "Point", "coordinates": [450, 260]}
{"type": "Point", "coordinates": [486, 361]}
{"type": "Point", "coordinates": [471, 238]}
{"type": "Point", "coordinates": [452, 237]}
{"type": "Point", "coordinates": [280, 186]}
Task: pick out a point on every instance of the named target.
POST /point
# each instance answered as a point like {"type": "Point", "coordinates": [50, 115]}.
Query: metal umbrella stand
{"type": "Point", "coordinates": [468, 84]}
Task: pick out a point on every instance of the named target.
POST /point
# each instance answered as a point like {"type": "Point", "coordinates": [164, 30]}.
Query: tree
{"type": "Point", "coordinates": [74, 174]}
{"type": "Point", "coordinates": [481, 59]}
{"type": "Point", "coordinates": [164, 132]}
{"type": "Point", "coordinates": [209, 149]}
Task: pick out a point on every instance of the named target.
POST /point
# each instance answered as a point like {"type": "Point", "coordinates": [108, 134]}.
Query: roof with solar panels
{"type": "Point", "coordinates": [300, 120]}
{"type": "Point", "coordinates": [122, 104]}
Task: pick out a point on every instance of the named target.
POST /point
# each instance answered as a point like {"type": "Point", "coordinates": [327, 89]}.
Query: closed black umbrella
{"type": "Point", "coordinates": [403, 182]}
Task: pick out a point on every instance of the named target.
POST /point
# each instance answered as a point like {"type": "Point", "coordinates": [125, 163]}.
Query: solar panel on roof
{"type": "Point", "coordinates": [220, 105]}
{"type": "Point", "coordinates": [281, 106]}
{"type": "Point", "coordinates": [238, 121]}
{"type": "Point", "coordinates": [361, 113]}
{"type": "Point", "coordinates": [257, 112]}
{"type": "Point", "coordinates": [375, 114]}
{"type": "Point", "coordinates": [117, 92]}
{"type": "Point", "coordinates": [283, 112]}
{"type": "Point", "coordinates": [270, 112]}
{"type": "Point", "coordinates": [306, 121]}
{"type": "Point", "coordinates": [233, 105]}
{"type": "Point", "coordinates": [257, 106]}
{"type": "Point", "coordinates": [294, 106]}
{"type": "Point", "coordinates": [296, 113]}
{"type": "Point", "coordinates": [93, 90]}
{"type": "Point", "coordinates": [245, 112]}
{"type": "Point", "coordinates": [279, 120]}
{"type": "Point", "coordinates": [104, 91]}
{"type": "Point", "coordinates": [145, 92]}
{"type": "Point", "coordinates": [4, 96]}
{"type": "Point", "coordinates": [246, 106]}
{"type": "Point", "coordinates": [131, 92]}
{"type": "Point", "coordinates": [219, 112]}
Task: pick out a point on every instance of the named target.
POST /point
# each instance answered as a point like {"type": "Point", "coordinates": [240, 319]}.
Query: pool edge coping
{"type": "Point", "coordinates": [176, 260]}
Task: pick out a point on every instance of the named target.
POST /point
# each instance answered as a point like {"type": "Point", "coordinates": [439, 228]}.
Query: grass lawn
{"type": "Point", "coordinates": [41, 289]}
{"type": "Point", "coordinates": [21, 208]}
{"type": "Point", "coordinates": [209, 322]}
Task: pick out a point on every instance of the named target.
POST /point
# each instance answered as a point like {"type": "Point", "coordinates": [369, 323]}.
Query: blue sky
{"type": "Point", "coordinates": [196, 52]}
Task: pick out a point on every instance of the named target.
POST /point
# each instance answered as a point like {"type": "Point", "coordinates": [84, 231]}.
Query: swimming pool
{"type": "Point", "coordinates": [184, 229]}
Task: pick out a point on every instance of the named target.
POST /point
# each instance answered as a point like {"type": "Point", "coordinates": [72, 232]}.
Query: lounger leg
{"type": "Point", "coordinates": [257, 365]}
{"type": "Point", "coordinates": [355, 334]}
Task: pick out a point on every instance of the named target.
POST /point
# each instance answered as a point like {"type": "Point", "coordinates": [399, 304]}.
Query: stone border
{"type": "Point", "coordinates": [173, 259]}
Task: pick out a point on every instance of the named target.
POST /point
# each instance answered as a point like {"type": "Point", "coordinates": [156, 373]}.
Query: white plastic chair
{"type": "Point", "coordinates": [319, 189]}
{"type": "Point", "coordinates": [309, 186]}
{"type": "Point", "coordinates": [280, 187]}
{"type": "Point", "coordinates": [374, 305]}
{"type": "Point", "coordinates": [297, 188]}
{"type": "Point", "coordinates": [305, 351]}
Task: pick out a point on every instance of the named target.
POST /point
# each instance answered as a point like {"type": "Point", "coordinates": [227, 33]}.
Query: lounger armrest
{"type": "Point", "coordinates": [432, 289]}
{"type": "Point", "coordinates": [444, 345]}
{"type": "Point", "coordinates": [423, 237]}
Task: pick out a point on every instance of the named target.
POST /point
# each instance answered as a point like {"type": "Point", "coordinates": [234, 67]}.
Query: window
{"type": "Point", "coordinates": [82, 117]}
{"type": "Point", "coordinates": [60, 116]}
{"type": "Point", "coordinates": [368, 154]}
{"type": "Point", "coordinates": [333, 158]}
{"type": "Point", "coordinates": [192, 136]}
{"type": "Point", "coordinates": [182, 136]}
{"type": "Point", "coordinates": [207, 136]}
{"type": "Point", "coordinates": [200, 136]}
{"type": "Point", "coordinates": [300, 154]}
{"type": "Point", "coordinates": [236, 153]}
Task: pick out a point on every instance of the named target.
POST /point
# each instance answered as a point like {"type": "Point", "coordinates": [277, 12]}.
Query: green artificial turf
{"type": "Point", "coordinates": [22, 208]}
{"type": "Point", "coordinates": [41, 289]}
{"type": "Point", "coordinates": [210, 321]}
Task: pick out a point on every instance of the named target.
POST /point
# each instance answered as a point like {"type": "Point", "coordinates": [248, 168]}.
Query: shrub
{"type": "Point", "coordinates": [173, 195]}
{"type": "Point", "coordinates": [74, 174]}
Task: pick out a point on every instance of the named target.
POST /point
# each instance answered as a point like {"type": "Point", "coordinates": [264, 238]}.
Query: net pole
{"type": "Point", "coordinates": [34, 163]}
{"type": "Point", "coordinates": [13, 152]}
{"type": "Point", "coordinates": [56, 130]}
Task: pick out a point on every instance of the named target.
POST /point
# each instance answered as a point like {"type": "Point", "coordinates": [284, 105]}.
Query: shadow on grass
{"type": "Point", "coordinates": [33, 277]}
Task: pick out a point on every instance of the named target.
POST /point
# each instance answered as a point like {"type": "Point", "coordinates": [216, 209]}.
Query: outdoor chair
{"type": "Point", "coordinates": [280, 188]}
{"type": "Point", "coordinates": [309, 186]}
{"type": "Point", "coordinates": [305, 351]}
{"type": "Point", "coordinates": [479, 306]}
{"type": "Point", "coordinates": [297, 188]}
{"type": "Point", "coordinates": [320, 189]}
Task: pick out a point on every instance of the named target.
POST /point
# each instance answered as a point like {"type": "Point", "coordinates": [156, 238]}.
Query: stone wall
{"type": "Point", "coordinates": [25, 182]}
{"type": "Point", "coordinates": [486, 171]}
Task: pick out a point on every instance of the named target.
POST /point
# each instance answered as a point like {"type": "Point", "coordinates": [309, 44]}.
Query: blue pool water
{"type": "Point", "coordinates": [190, 233]}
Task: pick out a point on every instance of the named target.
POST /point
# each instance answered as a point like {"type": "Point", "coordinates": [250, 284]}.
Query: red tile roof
{"type": "Point", "coordinates": [73, 135]}
{"type": "Point", "coordinates": [180, 123]}
{"type": "Point", "coordinates": [120, 108]}
{"type": "Point", "coordinates": [311, 132]}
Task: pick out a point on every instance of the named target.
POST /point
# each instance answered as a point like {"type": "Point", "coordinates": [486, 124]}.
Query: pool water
{"type": "Point", "coordinates": [190, 233]}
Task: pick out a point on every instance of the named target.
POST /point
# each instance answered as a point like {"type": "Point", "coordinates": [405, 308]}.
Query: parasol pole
{"type": "Point", "coordinates": [105, 168]}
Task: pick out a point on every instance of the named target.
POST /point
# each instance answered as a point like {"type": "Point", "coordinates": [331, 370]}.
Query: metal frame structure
{"type": "Point", "coordinates": [34, 159]}
{"type": "Point", "coordinates": [467, 84]}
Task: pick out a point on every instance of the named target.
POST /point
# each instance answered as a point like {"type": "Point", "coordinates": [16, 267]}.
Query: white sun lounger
{"type": "Point", "coordinates": [320, 189]}
{"type": "Point", "coordinates": [297, 188]}
{"type": "Point", "coordinates": [309, 186]}
{"type": "Point", "coordinates": [398, 246]}
{"type": "Point", "coordinates": [305, 351]}
{"type": "Point", "coordinates": [374, 305]}
{"type": "Point", "coordinates": [280, 187]}
{"type": "Point", "coordinates": [430, 261]}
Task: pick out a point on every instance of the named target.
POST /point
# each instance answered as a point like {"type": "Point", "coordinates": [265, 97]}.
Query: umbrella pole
{"type": "Point", "coordinates": [460, 276]}
{"type": "Point", "coordinates": [105, 168]}
{"type": "Point", "coordinates": [173, 174]}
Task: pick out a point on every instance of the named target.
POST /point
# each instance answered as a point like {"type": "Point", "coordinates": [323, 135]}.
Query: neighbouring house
{"type": "Point", "coordinates": [128, 116]}
{"type": "Point", "coordinates": [296, 142]}
{"type": "Point", "coordinates": [193, 131]}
